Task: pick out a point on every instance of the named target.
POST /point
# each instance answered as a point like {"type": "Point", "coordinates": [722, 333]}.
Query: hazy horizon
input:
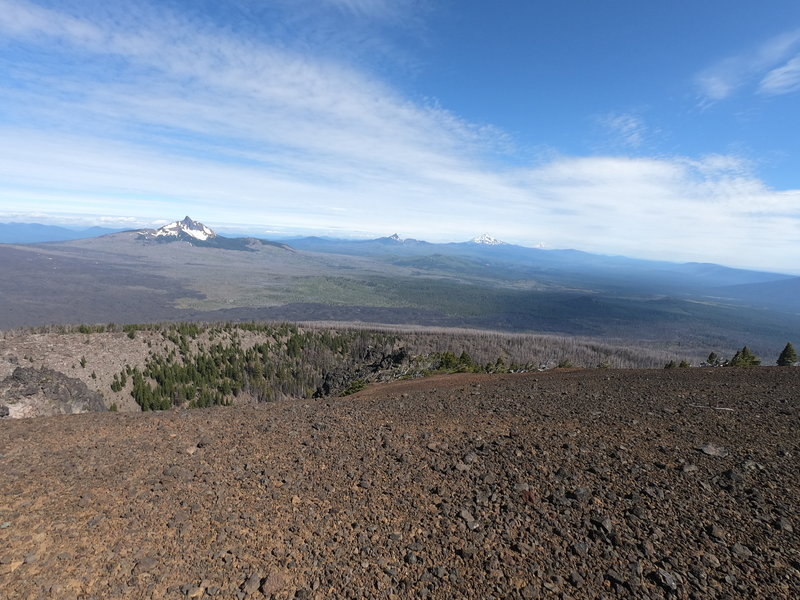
{"type": "Point", "coordinates": [352, 235]}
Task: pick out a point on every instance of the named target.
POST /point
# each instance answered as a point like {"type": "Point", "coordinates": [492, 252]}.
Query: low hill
{"type": "Point", "coordinates": [150, 367]}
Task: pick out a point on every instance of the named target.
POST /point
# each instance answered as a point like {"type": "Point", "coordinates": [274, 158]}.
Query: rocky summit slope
{"type": "Point", "coordinates": [579, 484]}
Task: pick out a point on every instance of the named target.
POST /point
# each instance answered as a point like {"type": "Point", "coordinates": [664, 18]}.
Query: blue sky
{"type": "Point", "coordinates": [657, 130]}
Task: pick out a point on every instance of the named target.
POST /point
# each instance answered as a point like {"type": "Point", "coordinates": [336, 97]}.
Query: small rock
{"type": "Point", "coordinates": [604, 523]}
{"type": "Point", "coordinates": [710, 449]}
{"type": "Point", "coordinates": [783, 524]}
{"type": "Point", "coordinates": [666, 580]}
{"type": "Point", "coordinates": [529, 592]}
{"type": "Point", "coordinates": [711, 560]}
{"type": "Point", "coordinates": [466, 515]}
{"type": "Point", "coordinates": [580, 494]}
{"type": "Point", "coordinates": [522, 548]}
{"type": "Point", "coordinates": [717, 532]}
{"type": "Point", "coordinates": [580, 549]}
{"type": "Point", "coordinates": [614, 577]}
{"type": "Point", "coordinates": [576, 580]}
{"type": "Point", "coordinates": [466, 553]}
{"type": "Point", "coordinates": [147, 564]}
{"type": "Point", "coordinates": [741, 550]}
{"type": "Point", "coordinates": [252, 583]}
{"type": "Point", "coordinates": [273, 583]}
{"type": "Point", "coordinates": [733, 475]}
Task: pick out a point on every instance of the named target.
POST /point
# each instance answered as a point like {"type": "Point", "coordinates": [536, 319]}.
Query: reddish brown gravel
{"type": "Point", "coordinates": [578, 484]}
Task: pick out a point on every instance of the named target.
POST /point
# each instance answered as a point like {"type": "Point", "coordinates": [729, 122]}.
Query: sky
{"type": "Point", "coordinates": [664, 130]}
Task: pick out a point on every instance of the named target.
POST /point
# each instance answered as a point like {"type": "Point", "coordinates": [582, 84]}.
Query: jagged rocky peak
{"type": "Point", "coordinates": [187, 228]}
{"type": "Point", "coordinates": [486, 240]}
{"type": "Point", "coordinates": [395, 238]}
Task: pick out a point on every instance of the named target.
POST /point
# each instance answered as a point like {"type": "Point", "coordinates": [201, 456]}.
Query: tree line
{"type": "Point", "coordinates": [743, 357]}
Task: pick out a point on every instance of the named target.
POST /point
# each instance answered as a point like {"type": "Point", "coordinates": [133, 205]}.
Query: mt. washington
{"type": "Point", "coordinates": [197, 234]}
{"type": "Point", "coordinates": [186, 230]}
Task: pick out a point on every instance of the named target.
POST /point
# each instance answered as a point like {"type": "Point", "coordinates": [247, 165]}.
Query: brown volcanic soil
{"type": "Point", "coordinates": [573, 484]}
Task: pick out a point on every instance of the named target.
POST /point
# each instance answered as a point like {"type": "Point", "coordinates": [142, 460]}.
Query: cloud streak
{"type": "Point", "coordinates": [772, 67]}
{"type": "Point", "coordinates": [782, 80]}
{"type": "Point", "coordinates": [626, 128]}
{"type": "Point", "coordinates": [145, 115]}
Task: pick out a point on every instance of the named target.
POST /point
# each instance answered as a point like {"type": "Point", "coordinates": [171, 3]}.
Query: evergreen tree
{"type": "Point", "coordinates": [788, 357]}
{"type": "Point", "coordinates": [744, 358]}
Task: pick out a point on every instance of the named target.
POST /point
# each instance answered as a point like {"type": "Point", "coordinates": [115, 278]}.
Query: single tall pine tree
{"type": "Point", "coordinates": [788, 357]}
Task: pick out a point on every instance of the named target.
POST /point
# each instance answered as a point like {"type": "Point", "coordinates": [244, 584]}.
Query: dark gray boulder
{"type": "Point", "coordinates": [32, 392]}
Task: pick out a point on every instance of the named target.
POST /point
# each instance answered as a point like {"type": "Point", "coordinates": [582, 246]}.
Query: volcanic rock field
{"type": "Point", "coordinates": [601, 483]}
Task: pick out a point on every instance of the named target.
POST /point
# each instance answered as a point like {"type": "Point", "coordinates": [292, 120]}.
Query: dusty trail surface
{"type": "Point", "coordinates": [582, 484]}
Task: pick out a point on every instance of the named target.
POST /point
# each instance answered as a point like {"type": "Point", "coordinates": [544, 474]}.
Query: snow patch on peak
{"type": "Point", "coordinates": [187, 227]}
{"type": "Point", "coordinates": [486, 240]}
{"type": "Point", "coordinates": [396, 238]}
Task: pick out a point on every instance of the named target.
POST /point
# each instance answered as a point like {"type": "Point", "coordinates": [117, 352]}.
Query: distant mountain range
{"type": "Point", "coordinates": [185, 271]}
{"type": "Point", "coordinates": [483, 253]}
{"type": "Point", "coordinates": [36, 233]}
{"type": "Point", "coordinates": [570, 267]}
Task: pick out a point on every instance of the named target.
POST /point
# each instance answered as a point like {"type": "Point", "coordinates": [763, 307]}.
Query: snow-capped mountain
{"type": "Point", "coordinates": [187, 230]}
{"type": "Point", "coordinates": [199, 235]}
{"type": "Point", "coordinates": [486, 240]}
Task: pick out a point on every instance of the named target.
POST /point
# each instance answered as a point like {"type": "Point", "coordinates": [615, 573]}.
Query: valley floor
{"type": "Point", "coordinates": [576, 484]}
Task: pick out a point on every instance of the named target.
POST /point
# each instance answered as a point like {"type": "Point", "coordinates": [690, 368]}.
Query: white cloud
{"type": "Point", "coordinates": [782, 80]}
{"type": "Point", "coordinates": [729, 75]}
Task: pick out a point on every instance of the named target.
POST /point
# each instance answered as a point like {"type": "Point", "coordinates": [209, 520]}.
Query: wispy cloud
{"type": "Point", "coordinates": [138, 115]}
{"type": "Point", "coordinates": [627, 129]}
{"type": "Point", "coordinates": [734, 73]}
{"type": "Point", "coordinates": [782, 80]}
{"type": "Point", "coordinates": [372, 8]}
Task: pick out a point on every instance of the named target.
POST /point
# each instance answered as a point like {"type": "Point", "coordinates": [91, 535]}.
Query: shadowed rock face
{"type": "Point", "coordinates": [31, 392]}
